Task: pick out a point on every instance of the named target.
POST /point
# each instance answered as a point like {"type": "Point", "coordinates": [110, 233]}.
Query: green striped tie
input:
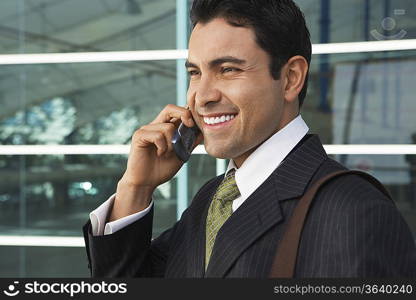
{"type": "Point", "coordinates": [220, 210]}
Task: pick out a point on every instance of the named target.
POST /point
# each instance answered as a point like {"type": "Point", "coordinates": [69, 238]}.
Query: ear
{"type": "Point", "coordinates": [294, 74]}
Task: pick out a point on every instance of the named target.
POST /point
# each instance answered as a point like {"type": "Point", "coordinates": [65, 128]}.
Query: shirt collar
{"type": "Point", "coordinates": [268, 156]}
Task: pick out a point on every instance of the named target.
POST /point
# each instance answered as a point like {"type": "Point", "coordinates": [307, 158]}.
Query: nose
{"type": "Point", "coordinates": [206, 92]}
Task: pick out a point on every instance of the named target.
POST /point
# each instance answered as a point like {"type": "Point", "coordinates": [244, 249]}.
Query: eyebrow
{"type": "Point", "coordinates": [218, 61]}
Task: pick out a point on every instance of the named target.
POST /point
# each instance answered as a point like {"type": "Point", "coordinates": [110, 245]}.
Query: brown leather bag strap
{"type": "Point", "coordinates": [285, 260]}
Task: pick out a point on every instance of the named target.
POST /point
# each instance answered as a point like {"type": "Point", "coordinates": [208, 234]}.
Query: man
{"type": "Point", "coordinates": [248, 66]}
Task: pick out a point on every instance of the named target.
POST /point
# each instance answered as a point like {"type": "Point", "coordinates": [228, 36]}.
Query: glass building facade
{"type": "Point", "coordinates": [57, 112]}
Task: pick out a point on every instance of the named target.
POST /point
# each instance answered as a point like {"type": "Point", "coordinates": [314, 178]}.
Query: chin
{"type": "Point", "coordinates": [217, 154]}
{"type": "Point", "coordinates": [217, 151]}
{"type": "Point", "coordinates": [221, 151]}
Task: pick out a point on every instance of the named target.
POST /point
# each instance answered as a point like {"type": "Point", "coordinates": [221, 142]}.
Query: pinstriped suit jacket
{"type": "Point", "coordinates": [352, 230]}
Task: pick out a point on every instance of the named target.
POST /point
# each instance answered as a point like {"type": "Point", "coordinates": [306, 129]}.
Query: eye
{"type": "Point", "coordinates": [229, 69]}
{"type": "Point", "coordinates": [193, 72]}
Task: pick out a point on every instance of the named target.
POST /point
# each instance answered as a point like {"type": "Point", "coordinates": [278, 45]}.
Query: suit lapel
{"type": "Point", "coordinates": [262, 209]}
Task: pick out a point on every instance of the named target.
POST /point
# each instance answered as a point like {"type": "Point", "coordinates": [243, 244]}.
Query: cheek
{"type": "Point", "coordinates": [253, 101]}
{"type": "Point", "coordinates": [260, 115]}
{"type": "Point", "coordinates": [190, 95]}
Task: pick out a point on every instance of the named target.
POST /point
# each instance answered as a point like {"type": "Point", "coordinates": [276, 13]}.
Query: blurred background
{"type": "Point", "coordinates": [355, 98]}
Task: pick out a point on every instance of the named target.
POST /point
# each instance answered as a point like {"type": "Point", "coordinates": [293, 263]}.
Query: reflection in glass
{"type": "Point", "coordinates": [43, 262]}
{"type": "Point", "coordinates": [59, 193]}
{"type": "Point", "coordinates": [334, 21]}
{"type": "Point", "coordinates": [367, 98]}
{"type": "Point", "coordinates": [86, 26]}
{"type": "Point", "coordinates": [98, 103]}
{"type": "Point", "coordinates": [61, 190]}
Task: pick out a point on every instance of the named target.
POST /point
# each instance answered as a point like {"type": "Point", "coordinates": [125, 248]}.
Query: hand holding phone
{"type": "Point", "coordinates": [152, 158]}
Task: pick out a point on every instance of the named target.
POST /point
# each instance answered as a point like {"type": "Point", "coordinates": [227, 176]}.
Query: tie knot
{"type": "Point", "coordinates": [228, 190]}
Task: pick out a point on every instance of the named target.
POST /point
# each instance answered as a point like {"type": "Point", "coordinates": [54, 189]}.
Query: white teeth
{"type": "Point", "coordinates": [216, 120]}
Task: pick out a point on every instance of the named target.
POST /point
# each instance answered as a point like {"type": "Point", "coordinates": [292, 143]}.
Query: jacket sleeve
{"type": "Point", "coordinates": [129, 252]}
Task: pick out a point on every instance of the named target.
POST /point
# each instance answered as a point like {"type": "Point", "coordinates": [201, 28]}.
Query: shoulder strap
{"type": "Point", "coordinates": [285, 260]}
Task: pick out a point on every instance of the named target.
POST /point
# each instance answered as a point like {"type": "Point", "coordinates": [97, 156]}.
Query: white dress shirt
{"type": "Point", "coordinates": [248, 177]}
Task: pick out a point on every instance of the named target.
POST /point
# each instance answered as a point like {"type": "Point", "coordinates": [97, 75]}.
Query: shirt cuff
{"type": "Point", "coordinates": [99, 215]}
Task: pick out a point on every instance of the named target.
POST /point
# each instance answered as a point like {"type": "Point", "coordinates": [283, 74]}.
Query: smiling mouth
{"type": "Point", "coordinates": [218, 119]}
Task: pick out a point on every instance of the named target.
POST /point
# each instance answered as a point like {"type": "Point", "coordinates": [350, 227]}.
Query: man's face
{"type": "Point", "coordinates": [232, 96]}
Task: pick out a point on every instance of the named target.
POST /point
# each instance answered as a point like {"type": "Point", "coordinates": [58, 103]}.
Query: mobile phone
{"type": "Point", "coordinates": [183, 140]}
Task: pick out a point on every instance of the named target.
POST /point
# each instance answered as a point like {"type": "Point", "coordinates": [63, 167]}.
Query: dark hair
{"type": "Point", "coordinates": [279, 27]}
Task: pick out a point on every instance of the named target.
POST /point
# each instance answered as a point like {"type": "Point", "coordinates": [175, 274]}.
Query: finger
{"type": "Point", "coordinates": [153, 138]}
{"type": "Point", "coordinates": [174, 112]}
{"type": "Point", "coordinates": [167, 129]}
